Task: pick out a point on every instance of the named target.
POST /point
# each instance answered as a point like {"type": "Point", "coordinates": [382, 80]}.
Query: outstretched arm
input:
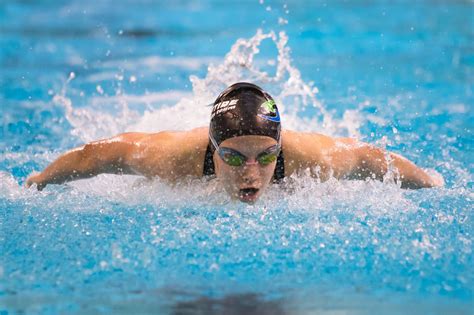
{"type": "Point", "coordinates": [373, 162]}
{"type": "Point", "coordinates": [105, 156]}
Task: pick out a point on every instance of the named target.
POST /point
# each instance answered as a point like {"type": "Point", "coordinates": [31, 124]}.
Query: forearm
{"type": "Point", "coordinates": [84, 162]}
{"type": "Point", "coordinates": [72, 165]}
{"type": "Point", "coordinates": [376, 162]}
{"type": "Point", "coordinates": [411, 176]}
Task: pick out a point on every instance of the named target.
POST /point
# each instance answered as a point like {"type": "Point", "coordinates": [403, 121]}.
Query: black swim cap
{"type": "Point", "coordinates": [244, 109]}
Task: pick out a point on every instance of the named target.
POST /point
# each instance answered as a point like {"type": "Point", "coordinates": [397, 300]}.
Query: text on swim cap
{"type": "Point", "coordinates": [222, 107]}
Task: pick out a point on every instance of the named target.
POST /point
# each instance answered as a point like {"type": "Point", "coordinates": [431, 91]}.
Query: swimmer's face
{"type": "Point", "coordinates": [248, 181]}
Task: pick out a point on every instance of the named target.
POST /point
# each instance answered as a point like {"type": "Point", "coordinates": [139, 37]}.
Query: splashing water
{"type": "Point", "coordinates": [286, 86]}
{"type": "Point", "coordinates": [129, 244]}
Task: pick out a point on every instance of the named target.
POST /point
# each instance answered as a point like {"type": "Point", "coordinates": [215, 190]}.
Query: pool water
{"type": "Point", "coordinates": [396, 74]}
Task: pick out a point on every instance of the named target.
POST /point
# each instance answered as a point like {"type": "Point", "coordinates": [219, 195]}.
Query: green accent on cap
{"type": "Point", "coordinates": [270, 106]}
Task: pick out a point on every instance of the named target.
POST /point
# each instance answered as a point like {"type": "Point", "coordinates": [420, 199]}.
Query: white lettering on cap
{"type": "Point", "coordinates": [223, 107]}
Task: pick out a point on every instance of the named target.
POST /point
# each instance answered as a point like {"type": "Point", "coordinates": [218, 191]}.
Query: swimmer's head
{"type": "Point", "coordinates": [244, 109]}
{"type": "Point", "coordinates": [245, 131]}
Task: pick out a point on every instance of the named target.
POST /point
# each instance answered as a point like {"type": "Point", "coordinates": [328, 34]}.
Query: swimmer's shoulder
{"type": "Point", "coordinates": [173, 154]}
{"type": "Point", "coordinates": [301, 150]}
{"type": "Point", "coordinates": [307, 150]}
{"type": "Point", "coordinates": [194, 136]}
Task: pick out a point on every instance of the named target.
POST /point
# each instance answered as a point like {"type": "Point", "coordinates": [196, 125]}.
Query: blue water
{"type": "Point", "coordinates": [397, 74]}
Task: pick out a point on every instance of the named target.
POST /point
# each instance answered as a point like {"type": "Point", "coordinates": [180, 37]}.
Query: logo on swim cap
{"type": "Point", "coordinates": [269, 111]}
{"type": "Point", "coordinates": [223, 107]}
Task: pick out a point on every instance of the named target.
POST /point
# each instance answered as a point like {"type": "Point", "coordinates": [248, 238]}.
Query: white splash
{"type": "Point", "coordinates": [242, 63]}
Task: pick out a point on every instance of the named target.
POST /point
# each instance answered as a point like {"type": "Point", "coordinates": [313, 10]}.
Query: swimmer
{"type": "Point", "coordinates": [244, 148]}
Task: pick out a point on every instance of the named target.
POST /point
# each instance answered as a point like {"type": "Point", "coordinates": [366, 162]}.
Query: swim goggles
{"type": "Point", "coordinates": [235, 158]}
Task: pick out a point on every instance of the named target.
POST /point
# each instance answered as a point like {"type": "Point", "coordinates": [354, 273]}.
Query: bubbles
{"type": "Point", "coordinates": [127, 233]}
{"type": "Point", "coordinates": [9, 186]}
{"type": "Point", "coordinates": [282, 21]}
{"type": "Point", "coordinates": [99, 89]}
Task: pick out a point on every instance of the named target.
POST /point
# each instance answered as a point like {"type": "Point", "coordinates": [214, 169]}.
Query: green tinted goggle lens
{"type": "Point", "coordinates": [267, 158]}
{"type": "Point", "coordinates": [235, 158]}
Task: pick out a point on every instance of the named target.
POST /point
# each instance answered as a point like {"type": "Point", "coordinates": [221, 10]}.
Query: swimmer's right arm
{"type": "Point", "coordinates": [105, 156]}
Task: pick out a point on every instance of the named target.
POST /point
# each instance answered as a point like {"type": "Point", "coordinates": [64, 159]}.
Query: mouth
{"type": "Point", "coordinates": [248, 194]}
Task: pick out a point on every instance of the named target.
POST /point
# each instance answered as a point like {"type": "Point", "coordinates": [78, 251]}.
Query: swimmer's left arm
{"type": "Point", "coordinates": [368, 161]}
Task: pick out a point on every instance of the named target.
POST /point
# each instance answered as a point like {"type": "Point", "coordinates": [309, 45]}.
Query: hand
{"type": "Point", "coordinates": [35, 178]}
{"type": "Point", "coordinates": [437, 179]}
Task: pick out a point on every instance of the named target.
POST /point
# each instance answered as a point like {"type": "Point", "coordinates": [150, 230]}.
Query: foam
{"type": "Point", "coordinates": [126, 238]}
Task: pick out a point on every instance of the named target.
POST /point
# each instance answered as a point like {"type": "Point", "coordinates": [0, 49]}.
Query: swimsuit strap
{"type": "Point", "coordinates": [278, 175]}
{"type": "Point", "coordinates": [208, 162]}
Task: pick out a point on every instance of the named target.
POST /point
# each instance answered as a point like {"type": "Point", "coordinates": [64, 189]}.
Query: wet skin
{"type": "Point", "coordinates": [176, 155]}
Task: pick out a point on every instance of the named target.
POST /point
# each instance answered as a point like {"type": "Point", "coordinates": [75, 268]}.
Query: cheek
{"type": "Point", "coordinates": [227, 175]}
{"type": "Point", "coordinates": [267, 171]}
{"type": "Point", "coordinates": [267, 176]}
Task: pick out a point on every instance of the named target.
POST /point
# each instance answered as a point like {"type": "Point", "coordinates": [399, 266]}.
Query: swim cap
{"type": "Point", "coordinates": [244, 109]}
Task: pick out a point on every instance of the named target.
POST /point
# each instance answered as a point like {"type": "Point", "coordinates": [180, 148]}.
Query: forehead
{"type": "Point", "coordinates": [248, 143]}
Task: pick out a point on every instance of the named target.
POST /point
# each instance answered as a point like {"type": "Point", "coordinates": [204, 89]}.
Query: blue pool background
{"type": "Point", "coordinates": [396, 74]}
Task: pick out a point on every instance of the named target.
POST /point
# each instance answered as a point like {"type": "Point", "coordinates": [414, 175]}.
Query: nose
{"type": "Point", "coordinates": [250, 171]}
{"type": "Point", "coordinates": [250, 162]}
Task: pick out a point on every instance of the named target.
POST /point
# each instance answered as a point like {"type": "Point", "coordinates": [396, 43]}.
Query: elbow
{"type": "Point", "coordinates": [86, 161]}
